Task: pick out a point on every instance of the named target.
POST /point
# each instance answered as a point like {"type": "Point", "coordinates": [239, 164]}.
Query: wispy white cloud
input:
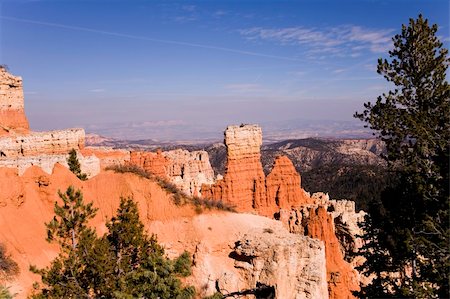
{"type": "Point", "coordinates": [149, 39]}
{"type": "Point", "coordinates": [338, 71]}
{"type": "Point", "coordinates": [244, 87]}
{"type": "Point", "coordinates": [341, 40]}
{"type": "Point", "coordinates": [97, 90]}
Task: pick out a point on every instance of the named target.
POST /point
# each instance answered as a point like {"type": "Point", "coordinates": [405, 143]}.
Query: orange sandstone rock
{"type": "Point", "coordinates": [244, 184]}
{"type": "Point", "coordinates": [12, 114]}
{"type": "Point", "coordinates": [342, 278]}
{"type": "Point", "coordinates": [283, 185]}
{"type": "Point", "coordinates": [154, 163]}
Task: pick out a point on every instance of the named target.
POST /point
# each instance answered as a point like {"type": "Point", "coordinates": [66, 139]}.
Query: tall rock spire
{"type": "Point", "coordinates": [12, 114]}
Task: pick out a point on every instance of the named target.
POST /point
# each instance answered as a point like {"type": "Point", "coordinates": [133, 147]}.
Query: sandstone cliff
{"type": "Point", "coordinates": [233, 251]}
{"type": "Point", "coordinates": [154, 163]}
{"type": "Point", "coordinates": [12, 114]}
{"type": "Point", "coordinates": [45, 149]}
{"type": "Point", "coordinates": [284, 185]}
{"type": "Point", "coordinates": [258, 250]}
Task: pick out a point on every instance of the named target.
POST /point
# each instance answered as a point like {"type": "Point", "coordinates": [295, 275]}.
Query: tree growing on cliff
{"type": "Point", "coordinates": [74, 165]}
{"type": "Point", "coordinates": [67, 277]}
{"type": "Point", "coordinates": [124, 263]}
{"type": "Point", "coordinates": [410, 225]}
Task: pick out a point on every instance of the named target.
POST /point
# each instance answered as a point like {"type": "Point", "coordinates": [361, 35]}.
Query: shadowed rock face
{"type": "Point", "coordinates": [12, 114]}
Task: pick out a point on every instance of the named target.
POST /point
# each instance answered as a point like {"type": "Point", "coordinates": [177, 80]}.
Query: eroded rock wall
{"type": "Point", "coordinates": [283, 198]}
{"type": "Point", "coordinates": [243, 184]}
{"type": "Point", "coordinates": [335, 222]}
{"type": "Point", "coordinates": [45, 149]}
{"type": "Point", "coordinates": [39, 143]}
{"type": "Point", "coordinates": [108, 156]}
{"type": "Point", "coordinates": [90, 165]}
{"type": "Point", "coordinates": [189, 170]}
{"type": "Point", "coordinates": [12, 114]}
{"type": "Point", "coordinates": [235, 252]}
{"type": "Point", "coordinates": [154, 163]}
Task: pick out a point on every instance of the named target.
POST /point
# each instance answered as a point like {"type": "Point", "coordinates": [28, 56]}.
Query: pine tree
{"type": "Point", "coordinates": [412, 219]}
{"type": "Point", "coordinates": [124, 263]}
{"type": "Point", "coordinates": [141, 268]}
{"type": "Point", "coordinates": [74, 165]}
{"type": "Point", "coordinates": [66, 277]}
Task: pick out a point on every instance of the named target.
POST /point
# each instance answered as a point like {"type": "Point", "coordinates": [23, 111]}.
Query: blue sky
{"type": "Point", "coordinates": [149, 69]}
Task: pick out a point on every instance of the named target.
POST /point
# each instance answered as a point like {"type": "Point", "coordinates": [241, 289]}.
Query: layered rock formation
{"type": "Point", "coordinates": [45, 149]}
{"type": "Point", "coordinates": [12, 114]}
{"type": "Point", "coordinates": [187, 170]}
{"type": "Point", "coordinates": [244, 184]}
{"type": "Point", "coordinates": [21, 149]}
{"type": "Point", "coordinates": [38, 143]}
{"type": "Point", "coordinates": [335, 222]}
{"type": "Point", "coordinates": [301, 256]}
{"type": "Point", "coordinates": [108, 156]}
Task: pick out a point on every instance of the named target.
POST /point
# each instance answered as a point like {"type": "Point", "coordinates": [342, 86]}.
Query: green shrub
{"type": "Point", "coordinates": [131, 169]}
{"type": "Point", "coordinates": [7, 265]}
{"type": "Point", "coordinates": [4, 293]}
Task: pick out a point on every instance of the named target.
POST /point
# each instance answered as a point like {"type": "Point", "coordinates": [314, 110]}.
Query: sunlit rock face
{"type": "Point", "coordinates": [187, 170]}
{"type": "Point", "coordinates": [12, 114]}
{"type": "Point", "coordinates": [244, 184]}
{"type": "Point", "coordinates": [20, 148]}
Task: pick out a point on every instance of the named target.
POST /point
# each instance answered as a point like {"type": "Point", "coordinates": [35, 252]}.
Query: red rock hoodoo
{"type": "Point", "coordinates": [244, 184]}
{"type": "Point", "coordinates": [12, 114]}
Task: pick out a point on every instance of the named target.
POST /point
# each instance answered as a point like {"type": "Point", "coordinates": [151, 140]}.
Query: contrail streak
{"type": "Point", "coordinates": [144, 38]}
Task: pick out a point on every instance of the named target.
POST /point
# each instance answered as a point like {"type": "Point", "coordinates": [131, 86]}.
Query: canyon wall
{"type": "Point", "coordinates": [108, 156]}
{"type": "Point", "coordinates": [12, 114]}
{"type": "Point", "coordinates": [45, 149]}
{"type": "Point", "coordinates": [315, 221]}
